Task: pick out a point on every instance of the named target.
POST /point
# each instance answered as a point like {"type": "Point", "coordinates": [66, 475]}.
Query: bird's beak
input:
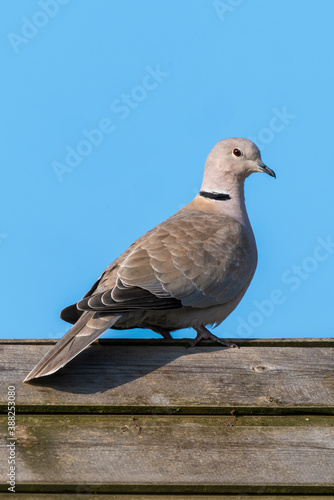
{"type": "Point", "coordinates": [264, 168]}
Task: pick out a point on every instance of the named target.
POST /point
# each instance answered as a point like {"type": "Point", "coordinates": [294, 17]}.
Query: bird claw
{"type": "Point", "coordinates": [204, 334]}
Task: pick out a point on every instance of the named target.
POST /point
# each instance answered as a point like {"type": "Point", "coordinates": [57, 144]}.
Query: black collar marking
{"type": "Point", "coordinates": [215, 196]}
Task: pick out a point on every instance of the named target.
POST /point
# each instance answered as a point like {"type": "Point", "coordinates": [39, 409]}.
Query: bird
{"type": "Point", "coordinates": [191, 270]}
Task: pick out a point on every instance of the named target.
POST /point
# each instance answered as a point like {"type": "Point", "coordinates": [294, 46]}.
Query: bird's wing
{"type": "Point", "coordinates": [193, 259]}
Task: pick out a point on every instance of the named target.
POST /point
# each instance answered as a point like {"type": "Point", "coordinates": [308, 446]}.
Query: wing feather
{"type": "Point", "coordinates": [193, 259]}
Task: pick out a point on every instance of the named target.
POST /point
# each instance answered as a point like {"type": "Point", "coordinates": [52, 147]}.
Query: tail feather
{"type": "Point", "coordinates": [87, 329]}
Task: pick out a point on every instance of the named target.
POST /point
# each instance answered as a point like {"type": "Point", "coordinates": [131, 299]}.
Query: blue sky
{"type": "Point", "coordinates": [109, 110]}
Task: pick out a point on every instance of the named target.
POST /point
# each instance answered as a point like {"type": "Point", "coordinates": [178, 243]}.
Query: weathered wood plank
{"type": "Point", "coordinates": [164, 378]}
{"type": "Point", "coordinates": [295, 342]}
{"type": "Point", "coordinates": [169, 454]}
{"type": "Point", "coordinates": [78, 496]}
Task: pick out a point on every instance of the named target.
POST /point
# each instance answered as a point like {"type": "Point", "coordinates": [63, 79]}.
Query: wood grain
{"type": "Point", "coordinates": [284, 342]}
{"type": "Point", "coordinates": [164, 378]}
{"type": "Point", "coordinates": [83, 496]}
{"type": "Point", "coordinates": [209, 454]}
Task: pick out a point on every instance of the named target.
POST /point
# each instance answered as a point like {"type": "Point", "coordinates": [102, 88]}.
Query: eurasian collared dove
{"type": "Point", "coordinates": [191, 270]}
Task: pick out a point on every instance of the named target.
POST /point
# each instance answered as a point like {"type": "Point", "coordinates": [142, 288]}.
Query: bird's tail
{"type": "Point", "coordinates": [87, 329]}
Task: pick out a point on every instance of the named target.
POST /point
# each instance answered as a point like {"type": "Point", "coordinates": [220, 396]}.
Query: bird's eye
{"type": "Point", "coordinates": [237, 152]}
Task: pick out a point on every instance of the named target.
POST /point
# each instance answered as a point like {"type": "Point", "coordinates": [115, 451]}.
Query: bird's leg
{"type": "Point", "coordinates": [162, 331]}
{"type": "Point", "coordinates": [203, 333]}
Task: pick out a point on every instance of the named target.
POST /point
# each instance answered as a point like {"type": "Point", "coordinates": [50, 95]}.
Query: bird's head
{"type": "Point", "coordinates": [231, 161]}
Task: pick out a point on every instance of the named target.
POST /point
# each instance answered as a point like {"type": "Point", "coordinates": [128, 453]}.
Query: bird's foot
{"type": "Point", "coordinates": [204, 333]}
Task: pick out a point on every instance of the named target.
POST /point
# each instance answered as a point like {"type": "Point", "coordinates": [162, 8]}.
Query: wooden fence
{"type": "Point", "coordinates": [132, 418]}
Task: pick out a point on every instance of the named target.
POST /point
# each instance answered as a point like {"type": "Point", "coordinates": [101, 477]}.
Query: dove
{"type": "Point", "coordinates": [191, 270]}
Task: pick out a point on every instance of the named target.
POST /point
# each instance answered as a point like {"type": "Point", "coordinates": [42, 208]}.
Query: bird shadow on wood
{"type": "Point", "coordinates": [101, 368]}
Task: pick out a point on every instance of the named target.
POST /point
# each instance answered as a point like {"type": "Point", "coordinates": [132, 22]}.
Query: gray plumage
{"type": "Point", "coordinates": [189, 271]}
